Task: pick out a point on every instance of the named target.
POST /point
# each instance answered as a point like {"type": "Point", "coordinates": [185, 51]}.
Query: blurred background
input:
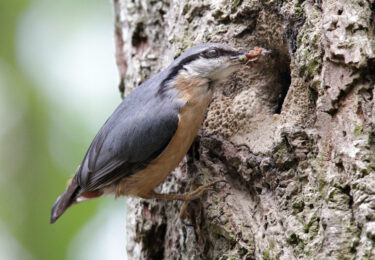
{"type": "Point", "coordinates": [58, 84]}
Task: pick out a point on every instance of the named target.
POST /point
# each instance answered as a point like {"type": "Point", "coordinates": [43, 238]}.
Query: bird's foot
{"type": "Point", "coordinates": [186, 197]}
{"type": "Point", "coordinates": [192, 195]}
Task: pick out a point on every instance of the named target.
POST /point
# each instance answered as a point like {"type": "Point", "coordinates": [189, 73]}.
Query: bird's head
{"type": "Point", "coordinates": [212, 61]}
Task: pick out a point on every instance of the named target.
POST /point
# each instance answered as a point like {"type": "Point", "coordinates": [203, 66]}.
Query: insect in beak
{"type": "Point", "coordinates": [253, 55]}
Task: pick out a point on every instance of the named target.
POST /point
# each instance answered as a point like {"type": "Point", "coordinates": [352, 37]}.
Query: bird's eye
{"type": "Point", "coordinates": [212, 53]}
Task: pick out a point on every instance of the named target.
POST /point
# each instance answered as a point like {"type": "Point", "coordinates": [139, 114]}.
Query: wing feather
{"type": "Point", "coordinates": [136, 133]}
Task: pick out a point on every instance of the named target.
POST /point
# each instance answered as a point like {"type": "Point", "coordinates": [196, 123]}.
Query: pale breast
{"type": "Point", "coordinates": [197, 96]}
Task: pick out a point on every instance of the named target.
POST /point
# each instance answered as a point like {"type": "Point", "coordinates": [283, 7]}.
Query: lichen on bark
{"type": "Point", "coordinates": [293, 137]}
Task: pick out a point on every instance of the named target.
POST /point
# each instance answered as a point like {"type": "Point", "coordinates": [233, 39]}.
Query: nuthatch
{"type": "Point", "coordinates": [150, 132]}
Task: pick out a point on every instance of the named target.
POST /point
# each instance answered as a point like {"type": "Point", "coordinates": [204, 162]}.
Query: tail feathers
{"type": "Point", "coordinates": [65, 200]}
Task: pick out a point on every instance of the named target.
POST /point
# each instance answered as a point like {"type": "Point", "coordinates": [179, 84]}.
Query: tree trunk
{"type": "Point", "coordinates": [294, 137]}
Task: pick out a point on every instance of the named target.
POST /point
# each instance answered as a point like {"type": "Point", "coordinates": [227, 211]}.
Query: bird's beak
{"type": "Point", "coordinates": [240, 56]}
{"type": "Point", "coordinates": [249, 56]}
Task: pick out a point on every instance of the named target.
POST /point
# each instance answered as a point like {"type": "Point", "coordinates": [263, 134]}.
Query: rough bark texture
{"type": "Point", "coordinates": [294, 137]}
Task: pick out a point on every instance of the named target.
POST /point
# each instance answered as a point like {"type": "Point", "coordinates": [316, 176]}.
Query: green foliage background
{"type": "Point", "coordinates": [30, 179]}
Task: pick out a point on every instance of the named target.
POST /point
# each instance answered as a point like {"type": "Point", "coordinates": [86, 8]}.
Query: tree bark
{"type": "Point", "coordinates": [294, 137]}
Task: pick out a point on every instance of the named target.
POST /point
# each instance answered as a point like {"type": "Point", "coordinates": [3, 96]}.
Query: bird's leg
{"type": "Point", "coordinates": [186, 197]}
{"type": "Point", "coordinates": [192, 195]}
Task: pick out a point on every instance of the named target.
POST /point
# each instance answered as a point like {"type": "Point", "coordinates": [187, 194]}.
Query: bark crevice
{"type": "Point", "coordinates": [293, 135]}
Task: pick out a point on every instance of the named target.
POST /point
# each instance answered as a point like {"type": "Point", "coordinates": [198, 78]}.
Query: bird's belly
{"type": "Point", "coordinates": [144, 181]}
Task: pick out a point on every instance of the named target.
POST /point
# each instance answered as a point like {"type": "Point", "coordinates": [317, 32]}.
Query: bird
{"type": "Point", "coordinates": [152, 129]}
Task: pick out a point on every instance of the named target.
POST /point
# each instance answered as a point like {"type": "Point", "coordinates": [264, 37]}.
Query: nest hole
{"type": "Point", "coordinates": [284, 78]}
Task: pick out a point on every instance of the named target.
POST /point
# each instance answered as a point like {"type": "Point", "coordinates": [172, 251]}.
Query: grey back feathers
{"type": "Point", "coordinates": [136, 133]}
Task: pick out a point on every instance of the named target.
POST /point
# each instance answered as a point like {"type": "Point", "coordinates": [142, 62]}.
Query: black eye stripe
{"type": "Point", "coordinates": [220, 52]}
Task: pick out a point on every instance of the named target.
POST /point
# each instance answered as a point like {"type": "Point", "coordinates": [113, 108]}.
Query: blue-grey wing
{"type": "Point", "coordinates": [136, 133]}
